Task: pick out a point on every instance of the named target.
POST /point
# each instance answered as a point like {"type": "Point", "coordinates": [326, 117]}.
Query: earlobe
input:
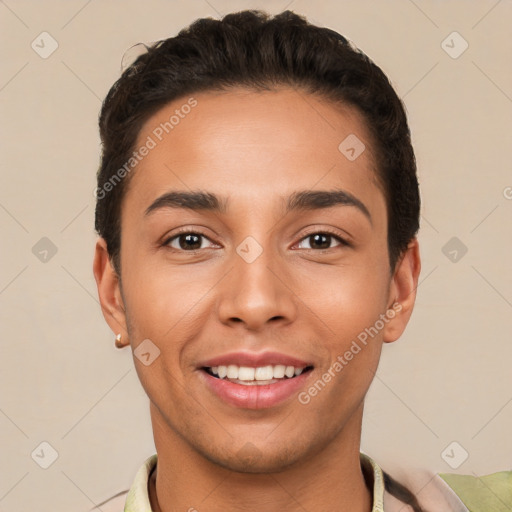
{"type": "Point", "coordinates": [109, 292]}
{"type": "Point", "coordinates": [403, 291]}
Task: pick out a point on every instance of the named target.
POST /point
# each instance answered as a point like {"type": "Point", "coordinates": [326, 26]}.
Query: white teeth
{"type": "Point", "coordinates": [279, 371]}
{"type": "Point", "coordinates": [251, 374]}
{"type": "Point", "coordinates": [264, 373]}
{"type": "Point", "coordinates": [232, 371]}
{"type": "Point", "coordinates": [246, 373]}
{"type": "Point", "coordinates": [289, 372]}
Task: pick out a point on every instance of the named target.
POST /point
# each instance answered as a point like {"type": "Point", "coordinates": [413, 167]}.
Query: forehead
{"type": "Point", "coordinates": [255, 145]}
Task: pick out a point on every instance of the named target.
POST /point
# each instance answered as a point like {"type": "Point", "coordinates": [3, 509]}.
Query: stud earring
{"type": "Point", "coordinates": [118, 341]}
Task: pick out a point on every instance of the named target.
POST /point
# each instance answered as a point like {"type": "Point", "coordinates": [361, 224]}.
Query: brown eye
{"type": "Point", "coordinates": [322, 241]}
{"type": "Point", "coordinates": [188, 241]}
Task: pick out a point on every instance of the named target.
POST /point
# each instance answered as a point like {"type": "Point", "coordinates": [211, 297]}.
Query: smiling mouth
{"type": "Point", "coordinates": [256, 376]}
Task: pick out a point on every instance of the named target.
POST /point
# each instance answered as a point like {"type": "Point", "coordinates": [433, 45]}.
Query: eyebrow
{"type": "Point", "coordinates": [298, 201]}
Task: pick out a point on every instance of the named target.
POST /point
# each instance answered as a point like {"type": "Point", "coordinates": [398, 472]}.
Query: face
{"type": "Point", "coordinates": [281, 263]}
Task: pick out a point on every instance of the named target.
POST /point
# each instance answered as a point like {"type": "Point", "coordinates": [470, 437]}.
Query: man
{"type": "Point", "coordinates": [257, 210]}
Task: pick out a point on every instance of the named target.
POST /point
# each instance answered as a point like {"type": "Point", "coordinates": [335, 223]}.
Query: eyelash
{"type": "Point", "coordinates": [188, 231]}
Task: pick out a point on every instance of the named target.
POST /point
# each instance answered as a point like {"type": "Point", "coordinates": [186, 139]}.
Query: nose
{"type": "Point", "coordinates": [257, 293]}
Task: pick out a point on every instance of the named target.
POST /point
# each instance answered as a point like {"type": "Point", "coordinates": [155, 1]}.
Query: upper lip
{"type": "Point", "coordinates": [255, 359]}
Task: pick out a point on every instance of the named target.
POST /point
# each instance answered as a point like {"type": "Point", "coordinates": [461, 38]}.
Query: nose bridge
{"type": "Point", "coordinates": [255, 291]}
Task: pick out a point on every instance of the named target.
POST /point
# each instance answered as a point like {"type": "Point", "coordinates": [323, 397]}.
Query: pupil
{"type": "Point", "coordinates": [189, 242]}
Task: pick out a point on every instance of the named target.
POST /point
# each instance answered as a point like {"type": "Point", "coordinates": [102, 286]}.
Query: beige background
{"type": "Point", "coordinates": [61, 379]}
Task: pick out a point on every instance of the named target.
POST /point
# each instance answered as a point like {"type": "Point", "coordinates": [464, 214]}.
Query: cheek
{"type": "Point", "coordinates": [350, 305]}
{"type": "Point", "coordinates": [351, 298]}
{"type": "Point", "coordinates": [167, 307]}
{"type": "Point", "coordinates": [161, 298]}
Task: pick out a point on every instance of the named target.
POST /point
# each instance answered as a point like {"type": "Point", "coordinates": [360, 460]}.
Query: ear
{"type": "Point", "coordinates": [402, 292]}
{"type": "Point", "coordinates": [109, 291]}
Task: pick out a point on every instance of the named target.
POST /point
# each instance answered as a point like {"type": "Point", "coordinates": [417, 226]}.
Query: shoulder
{"type": "Point", "coordinates": [136, 498]}
{"type": "Point", "coordinates": [482, 493]}
{"type": "Point", "coordinates": [432, 492]}
{"type": "Point", "coordinates": [455, 493]}
{"type": "Point", "coordinates": [394, 490]}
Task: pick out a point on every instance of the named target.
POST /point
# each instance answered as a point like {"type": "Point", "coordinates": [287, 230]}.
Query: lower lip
{"type": "Point", "coordinates": [254, 396]}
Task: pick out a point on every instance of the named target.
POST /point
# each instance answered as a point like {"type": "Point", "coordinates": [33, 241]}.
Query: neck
{"type": "Point", "coordinates": [331, 479]}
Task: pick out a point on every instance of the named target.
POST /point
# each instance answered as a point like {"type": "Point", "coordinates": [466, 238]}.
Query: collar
{"type": "Point", "coordinates": [137, 499]}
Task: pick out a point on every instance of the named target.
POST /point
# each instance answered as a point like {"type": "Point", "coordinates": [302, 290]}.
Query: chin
{"type": "Point", "coordinates": [250, 459]}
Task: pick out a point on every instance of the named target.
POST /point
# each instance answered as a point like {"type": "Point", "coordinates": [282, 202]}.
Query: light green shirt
{"type": "Point", "coordinates": [485, 493]}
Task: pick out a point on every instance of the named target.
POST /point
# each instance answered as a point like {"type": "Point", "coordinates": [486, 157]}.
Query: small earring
{"type": "Point", "coordinates": [118, 341]}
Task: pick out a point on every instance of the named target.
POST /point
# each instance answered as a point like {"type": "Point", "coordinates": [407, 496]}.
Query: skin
{"type": "Point", "coordinates": [256, 148]}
